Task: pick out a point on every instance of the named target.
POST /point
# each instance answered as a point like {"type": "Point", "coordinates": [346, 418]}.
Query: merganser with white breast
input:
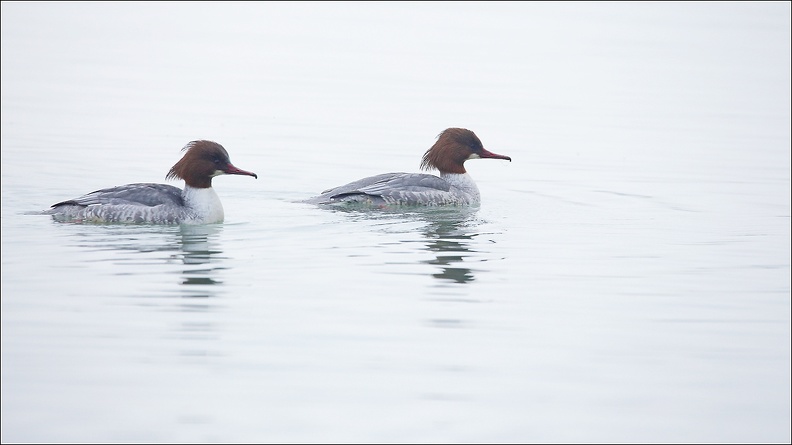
{"type": "Point", "coordinates": [454, 186]}
{"type": "Point", "coordinates": [146, 203]}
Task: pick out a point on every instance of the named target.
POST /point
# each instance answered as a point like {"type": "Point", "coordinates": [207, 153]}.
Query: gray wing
{"type": "Point", "coordinates": [391, 188]}
{"type": "Point", "coordinates": [130, 194]}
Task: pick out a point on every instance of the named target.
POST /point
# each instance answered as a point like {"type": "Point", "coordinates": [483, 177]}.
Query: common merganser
{"type": "Point", "coordinates": [454, 146]}
{"type": "Point", "coordinates": [146, 203]}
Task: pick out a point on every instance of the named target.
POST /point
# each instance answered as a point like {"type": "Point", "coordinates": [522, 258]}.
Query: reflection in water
{"type": "Point", "coordinates": [447, 230]}
{"type": "Point", "coordinates": [197, 249]}
{"type": "Point", "coordinates": [191, 245]}
{"type": "Point", "coordinates": [449, 240]}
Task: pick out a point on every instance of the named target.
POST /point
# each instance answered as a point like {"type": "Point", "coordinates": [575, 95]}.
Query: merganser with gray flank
{"type": "Point", "coordinates": [147, 203]}
{"type": "Point", "coordinates": [454, 186]}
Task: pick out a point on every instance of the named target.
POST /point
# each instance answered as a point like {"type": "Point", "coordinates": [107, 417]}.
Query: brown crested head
{"type": "Point", "coordinates": [203, 161]}
{"type": "Point", "coordinates": [454, 146]}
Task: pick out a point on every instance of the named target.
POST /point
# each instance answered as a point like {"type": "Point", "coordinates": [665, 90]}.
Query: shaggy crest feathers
{"type": "Point", "coordinates": [453, 147]}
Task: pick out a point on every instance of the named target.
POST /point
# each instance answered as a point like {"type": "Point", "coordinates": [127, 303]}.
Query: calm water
{"type": "Point", "coordinates": [626, 278]}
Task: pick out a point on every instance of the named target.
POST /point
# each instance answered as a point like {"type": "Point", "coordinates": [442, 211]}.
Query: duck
{"type": "Point", "coordinates": [453, 187]}
{"type": "Point", "coordinates": [152, 203]}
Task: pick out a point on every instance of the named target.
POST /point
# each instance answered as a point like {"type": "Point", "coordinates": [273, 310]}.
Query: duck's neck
{"type": "Point", "coordinates": [204, 203]}
{"type": "Point", "coordinates": [463, 182]}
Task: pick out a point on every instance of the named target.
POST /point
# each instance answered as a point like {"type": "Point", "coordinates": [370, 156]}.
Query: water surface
{"type": "Point", "coordinates": [626, 278]}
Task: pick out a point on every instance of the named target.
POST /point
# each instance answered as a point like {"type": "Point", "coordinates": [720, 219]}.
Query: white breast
{"type": "Point", "coordinates": [204, 205]}
{"type": "Point", "coordinates": [464, 186]}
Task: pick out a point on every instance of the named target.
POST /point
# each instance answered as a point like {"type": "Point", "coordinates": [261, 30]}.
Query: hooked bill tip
{"type": "Point", "coordinates": [231, 170]}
